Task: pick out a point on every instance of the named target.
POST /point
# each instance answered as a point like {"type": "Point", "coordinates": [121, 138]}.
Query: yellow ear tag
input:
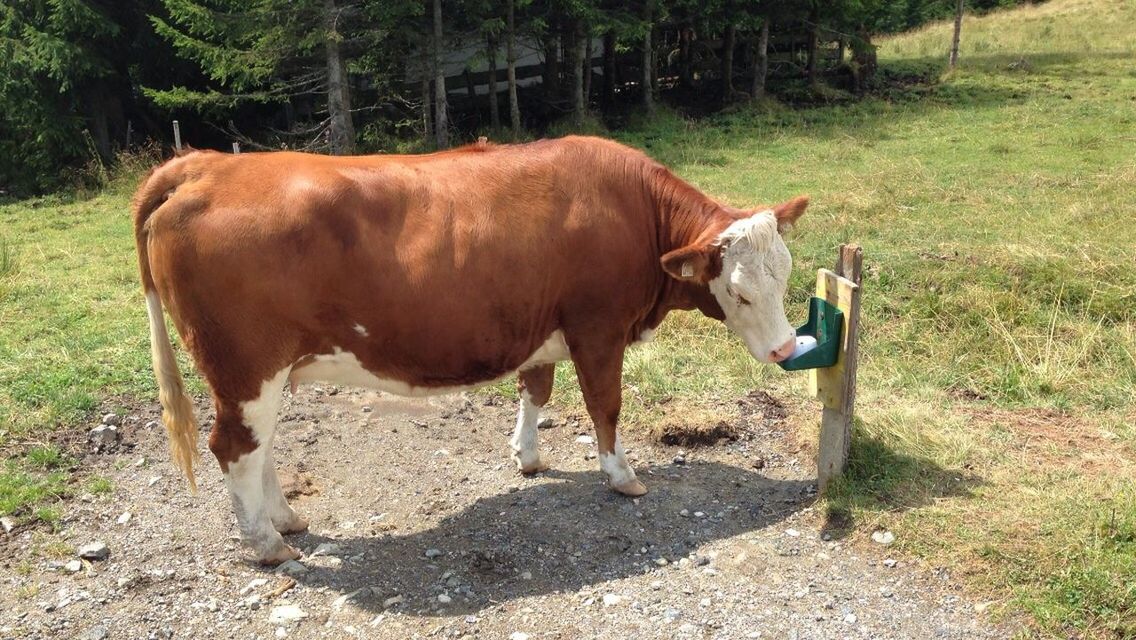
{"type": "Point", "coordinates": [687, 270]}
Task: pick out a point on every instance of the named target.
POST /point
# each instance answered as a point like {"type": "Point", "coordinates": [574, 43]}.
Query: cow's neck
{"type": "Point", "coordinates": [685, 216]}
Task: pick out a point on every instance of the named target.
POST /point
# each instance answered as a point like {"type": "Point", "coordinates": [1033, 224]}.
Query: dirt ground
{"type": "Point", "coordinates": [421, 528]}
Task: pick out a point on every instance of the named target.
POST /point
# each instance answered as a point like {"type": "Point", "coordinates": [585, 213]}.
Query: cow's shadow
{"type": "Point", "coordinates": [551, 537]}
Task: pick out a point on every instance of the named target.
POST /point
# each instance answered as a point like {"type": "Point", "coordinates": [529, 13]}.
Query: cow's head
{"type": "Point", "coordinates": [747, 268]}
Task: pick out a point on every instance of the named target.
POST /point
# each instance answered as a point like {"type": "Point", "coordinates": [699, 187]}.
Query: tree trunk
{"type": "Point", "coordinates": [576, 61]}
{"type": "Point", "coordinates": [958, 33]}
{"type": "Point", "coordinates": [728, 63]}
{"type": "Point", "coordinates": [551, 78]}
{"type": "Point", "coordinates": [441, 118]}
{"type": "Point", "coordinates": [494, 104]}
{"type": "Point", "coordinates": [588, 53]}
{"type": "Point", "coordinates": [427, 108]}
{"type": "Point", "coordinates": [341, 133]}
{"type": "Point", "coordinates": [648, 63]}
{"type": "Point", "coordinates": [511, 71]}
{"type": "Point", "coordinates": [761, 61]}
{"type": "Point", "coordinates": [685, 57]}
{"type": "Point", "coordinates": [814, 41]}
{"type": "Point", "coordinates": [607, 99]}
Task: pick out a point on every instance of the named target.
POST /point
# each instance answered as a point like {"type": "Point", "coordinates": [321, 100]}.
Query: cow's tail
{"type": "Point", "coordinates": [177, 409]}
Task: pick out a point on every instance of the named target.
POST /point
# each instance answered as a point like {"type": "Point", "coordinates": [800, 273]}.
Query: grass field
{"type": "Point", "coordinates": [996, 428]}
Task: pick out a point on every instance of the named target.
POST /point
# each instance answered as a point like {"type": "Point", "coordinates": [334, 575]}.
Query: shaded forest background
{"type": "Point", "coordinates": [83, 80]}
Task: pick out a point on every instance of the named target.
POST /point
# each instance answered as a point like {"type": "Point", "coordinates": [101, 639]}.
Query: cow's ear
{"type": "Point", "coordinates": [788, 212]}
{"type": "Point", "coordinates": [693, 263]}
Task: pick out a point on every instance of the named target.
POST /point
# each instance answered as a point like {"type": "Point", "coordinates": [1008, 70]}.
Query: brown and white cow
{"type": "Point", "coordinates": [428, 274]}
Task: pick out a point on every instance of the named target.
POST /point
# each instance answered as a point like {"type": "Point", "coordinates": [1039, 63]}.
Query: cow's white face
{"type": "Point", "coordinates": [751, 287]}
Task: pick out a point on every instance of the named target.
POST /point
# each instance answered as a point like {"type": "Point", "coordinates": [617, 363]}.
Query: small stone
{"type": "Point", "coordinates": [94, 551]}
{"type": "Point", "coordinates": [611, 599]}
{"type": "Point", "coordinates": [662, 562]}
{"type": "Point", "coordinates": [433, 553]}
{"type": "Point", "coordinates": [526, 575]}
{"type": "Point", "coordinates": [759, 463]}
{"type": "Point", "coordinates": [94, 633]}
{"type": "Point", "coordinates": [153, 424]}
{"type": "Point", "coordinates": [545, 423]}
{"type": "Point", "coordinates": [518, 635]}
{"type": "Point", "coordinates": [326, 549]}
{"type": "Point", "coordinates": [671, 614]}
{"type": "Point", "coordinates": [444, 598]}
{"type": "Point", "coordinates": [154, 480]}
{"type": "Point", "coordinates": [8, 524]}
{"type": "Point", "coordinates": [585, 440]}
{"type": "Point", "coordinates": [281, 632]}
{"type": "Point", "coordinates": [883, 537]}
{"type": "Point", "coordinates": [656, 585]}
{"type": "Point", "coordinates": [392, 601]}
{"type": "Point", "coordinates": [74, 566]}
{"type": "Point", "coordinates": [850, 618]}
{"type": "Point", "coordinates": [688, 628]}
{"type": "Point", "coordinates": [292, 568]}
{"type": "Point", "coordinates": [103, 436]}
{"type": "Point", "coordinates": [699, 514]}
{"type": "Point", "coordinates": [286, 614]}
{"type": "Point", "coordinates": [889, 563]}
{"type": "Point", "coordinates": [342, 600]}
{"type": "Point", "coordinates": [701, 561]}
{"type": "Point", "coordinates": [366, 409]}
{"type": "Point", "coordinates": [793, 533]}
{"type": "Point", "coordinates": [684, 513]}
{"type": "Point", "coordinates": [112, 419]}
{"type": "Point", "coordinates": [125, 517]}
{"type": "Point", "coordinates": [705, 602]}
{"type": "Point", "coordinates": [253, 585]}
{"type": "Point", "coordinates": [679, 460]}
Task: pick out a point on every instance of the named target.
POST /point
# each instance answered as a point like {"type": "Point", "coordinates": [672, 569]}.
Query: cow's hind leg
{"type": "Point", "coordinates": [534, 386]}
{"type": "Point", "coordinates": [284, 518]}
{"type": "Point", "coordinates": [242, 440]}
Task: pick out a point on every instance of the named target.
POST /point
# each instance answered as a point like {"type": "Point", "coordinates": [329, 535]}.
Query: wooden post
{"type": "Point", "coordinates": [236, 148]}
{"type": "Point", "coordinates": [177, 136]}
{"type": "Point", "coordinates": [835, 386]}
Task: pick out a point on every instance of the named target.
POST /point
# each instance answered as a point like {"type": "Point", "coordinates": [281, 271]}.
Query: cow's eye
{"type": "Point", "coordinates": [741, 299]}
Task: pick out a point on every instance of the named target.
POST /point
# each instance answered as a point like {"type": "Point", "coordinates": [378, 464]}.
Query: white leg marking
{"type": "Point", "coordinates": [256, 499]}
{"type": "Point", "coordinates": [615, 465]}
{"type": "Point", "coordinates": [525, 436]}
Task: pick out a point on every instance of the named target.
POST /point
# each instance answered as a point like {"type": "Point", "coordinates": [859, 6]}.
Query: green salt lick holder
{"type": "Point", "coordinates": [826, 324]}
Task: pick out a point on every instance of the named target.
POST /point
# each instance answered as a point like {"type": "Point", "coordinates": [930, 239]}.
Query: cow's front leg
{"type": "Point", "coordinates": [241, 441]}
{"type": "Point", "coordinates": [534, 386]}
{"type": "Point", "coordinates": [601, 375]}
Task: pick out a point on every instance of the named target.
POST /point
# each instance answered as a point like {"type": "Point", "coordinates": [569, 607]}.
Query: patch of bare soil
{"type": "Point", "coordinates": [1048, 437]}
{"type": "Point", "coordinates": [422, 528]}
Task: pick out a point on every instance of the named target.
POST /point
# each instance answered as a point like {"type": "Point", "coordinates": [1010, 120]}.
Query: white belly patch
{"type": "Point", "coordinates": [342, 367]}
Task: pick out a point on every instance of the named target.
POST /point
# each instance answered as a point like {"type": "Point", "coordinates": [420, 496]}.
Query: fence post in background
{"type": "Point", "coordinates": [177, 136]}
{"type": "Point", "coordinates": [835, 386]}
{"type": "Point", "coordinates": [236, 148]}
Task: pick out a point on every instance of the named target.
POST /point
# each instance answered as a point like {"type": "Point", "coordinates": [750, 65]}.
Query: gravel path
{"type": "Point", "coordinates": [422, 529]}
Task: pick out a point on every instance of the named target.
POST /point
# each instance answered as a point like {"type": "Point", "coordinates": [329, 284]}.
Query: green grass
{"type": "Point", "coordinates": [995, 431]}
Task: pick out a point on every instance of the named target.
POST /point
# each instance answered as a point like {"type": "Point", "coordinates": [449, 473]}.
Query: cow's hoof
{"type": "Point", "coordinates": [533, 467]}
{"type": "Point", "coordinates": [295, 525]}
{"type": "Point", "coordinates": [633, 488]}
{"type": "Point", "coordinates": [283, 554]}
